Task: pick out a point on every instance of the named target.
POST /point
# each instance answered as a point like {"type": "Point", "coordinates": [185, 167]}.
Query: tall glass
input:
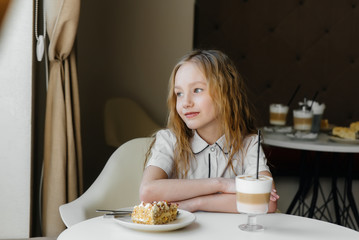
{"type": "Point", "coordinates": [253, 198]}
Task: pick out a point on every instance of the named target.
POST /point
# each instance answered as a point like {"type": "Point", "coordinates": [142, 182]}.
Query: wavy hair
{"type": "Point", "coordinates": [229, 93]}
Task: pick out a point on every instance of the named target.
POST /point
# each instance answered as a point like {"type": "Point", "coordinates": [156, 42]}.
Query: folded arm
{"type": "Point", "coordinates": [218, 202]}
{"type": "Point", "coordinates": [209, 194]}
{"type": "Point", "coordinates": [156, 186]}
{"type": "Point", "coordinates": [223, 202]}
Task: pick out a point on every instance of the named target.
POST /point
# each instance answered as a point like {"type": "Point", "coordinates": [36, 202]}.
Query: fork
{"type": "Point", "coordinates": [109, 212]}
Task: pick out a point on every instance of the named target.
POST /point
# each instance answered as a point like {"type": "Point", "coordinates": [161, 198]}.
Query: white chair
{"type": "Point", "coordinates": [117, 185]}
{"type": "Point", "coordinates": [124, 119]}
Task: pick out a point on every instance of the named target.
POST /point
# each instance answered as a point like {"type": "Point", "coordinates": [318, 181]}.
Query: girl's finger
{"type": "Point", "coordinates": [273, 199]}
{"type": "Point", "coordinates": [275, 195]}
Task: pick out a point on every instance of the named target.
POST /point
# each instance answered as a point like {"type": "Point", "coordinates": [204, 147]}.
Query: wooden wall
{"type": "Point", "coordinates": [279, 44]}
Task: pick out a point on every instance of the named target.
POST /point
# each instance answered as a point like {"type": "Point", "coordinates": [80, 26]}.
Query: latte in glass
{"type": "Point", "coordinates": [302, 119]}
{"type": "Point", "coordinates": [253, 194]}
{"type": "Point", "coordinates": [278, 114]}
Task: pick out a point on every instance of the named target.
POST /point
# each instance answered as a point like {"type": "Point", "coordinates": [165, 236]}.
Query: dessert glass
{"type": "Point", "coordinates": [253, 198]}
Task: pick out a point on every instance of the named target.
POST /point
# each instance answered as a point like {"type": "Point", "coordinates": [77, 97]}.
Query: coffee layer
{"type": "Point", "coordinates": [254, 198]}
{"type": "Point", "coordinates": [302, 123]}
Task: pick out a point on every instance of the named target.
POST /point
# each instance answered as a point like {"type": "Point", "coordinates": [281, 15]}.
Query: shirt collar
{"type": "Point", "coordinates": [198, 144]}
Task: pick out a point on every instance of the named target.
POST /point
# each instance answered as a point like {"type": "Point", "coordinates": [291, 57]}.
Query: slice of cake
{"type": "Point", "coordinates": [344, 132]}
{"type": "Point", "coordinates": [355, 126]}
{"type": "Point", "coordinates": [154, 213]}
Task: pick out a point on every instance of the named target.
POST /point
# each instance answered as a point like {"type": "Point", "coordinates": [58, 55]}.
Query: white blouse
{"type": "Point", "coordinates": [210, 160]}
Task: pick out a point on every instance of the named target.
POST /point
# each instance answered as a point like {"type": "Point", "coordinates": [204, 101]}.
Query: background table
{"type": "Point", "coordinates": [310, 179]}
{"type": "Point", "coordinates": [321, 144]}
{"type": "Point", "coordinates": [216, 226]}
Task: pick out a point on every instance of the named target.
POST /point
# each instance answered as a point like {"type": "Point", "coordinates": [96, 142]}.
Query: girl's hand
{"type": "Point", "coordinates": [190, 205]}
{"type": "Point", "coordinates": [273, 195]}
{"type": "Point", "coordinates": [273, 201]}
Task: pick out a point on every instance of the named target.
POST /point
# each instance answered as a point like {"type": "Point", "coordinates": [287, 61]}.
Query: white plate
{"type": "Point", "coordinates": [278, 129]}
{"type": "Point", "coordinates": [343, 140]}
{"type": "Point", "coordinates": [184, 219]}
{"type": "Point", "coordinates": [303, 136]}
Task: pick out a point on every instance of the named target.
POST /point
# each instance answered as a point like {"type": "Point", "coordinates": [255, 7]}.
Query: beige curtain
{"type": "Point", "coordinates": [62, 180]}
{"type": "Point", "coordinates": [4, 4]}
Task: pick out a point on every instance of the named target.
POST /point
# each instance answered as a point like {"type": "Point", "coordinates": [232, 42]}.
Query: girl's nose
{"type": "Point", "coordinates": [187, 102]}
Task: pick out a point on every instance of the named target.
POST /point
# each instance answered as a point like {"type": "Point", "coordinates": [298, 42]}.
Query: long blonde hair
{"type": "Point", "coordinates": [228, 91]}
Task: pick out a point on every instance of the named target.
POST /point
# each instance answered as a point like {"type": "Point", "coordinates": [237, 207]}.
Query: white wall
{"type": "Point", "coordinates": [15, 120]}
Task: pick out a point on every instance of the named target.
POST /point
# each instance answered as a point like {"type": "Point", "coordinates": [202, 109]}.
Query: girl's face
{"type": "Point", "coordinates": [194, 103]}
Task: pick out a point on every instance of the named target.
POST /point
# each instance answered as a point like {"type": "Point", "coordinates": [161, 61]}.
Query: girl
{"type": "Point", "coordinates": [210, 138]}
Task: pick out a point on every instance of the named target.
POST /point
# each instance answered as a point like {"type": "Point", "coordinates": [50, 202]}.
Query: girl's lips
{"type": "Point", "coordinates": [191, 114]}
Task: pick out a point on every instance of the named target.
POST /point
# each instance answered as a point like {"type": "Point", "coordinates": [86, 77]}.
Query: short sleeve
{"type": "Point", "coordinates": [250, 160]}
{"type": "Point", "coordinates": [162, 151]}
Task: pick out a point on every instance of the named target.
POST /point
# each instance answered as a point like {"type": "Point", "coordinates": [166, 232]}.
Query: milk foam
{"type": "Point", "coordinates": [278, 108]}
{"type": "Point", "coordinates": [316, 107]}
{"type": "Point", "coordinates": [250, 184]}
{"type": "Point", "coordinates": [302, 114]}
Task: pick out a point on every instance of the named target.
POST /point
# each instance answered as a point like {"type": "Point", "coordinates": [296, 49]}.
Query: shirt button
{"type": "Point", "coordinates": [212, 149]}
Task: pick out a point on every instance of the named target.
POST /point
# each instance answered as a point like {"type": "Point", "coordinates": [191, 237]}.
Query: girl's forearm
{"type": "Point", "coordinates": [156, 186]}
{"type": "Point", "coordinates": [179, 189]}
{"type": "Point", "coordinates": [272, 207]}
{"type": "Point", "coordinates": [220, 202]}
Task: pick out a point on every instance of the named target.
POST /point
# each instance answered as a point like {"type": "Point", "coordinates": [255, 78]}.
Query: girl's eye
{"type": "Point", "coordinates": [179, 94]}
{"type": "Point", "coordinates": [198, 90]}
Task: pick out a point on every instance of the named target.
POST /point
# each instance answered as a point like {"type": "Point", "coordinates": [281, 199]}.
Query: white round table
{"type": "Point", "coordinates": [323, 143]}
{"type": "Point", "coordinates": [216, 226]}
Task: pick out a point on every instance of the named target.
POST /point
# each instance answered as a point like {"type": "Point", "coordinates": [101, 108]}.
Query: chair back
{"type": "Point", "coordinates": [117, 185]}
